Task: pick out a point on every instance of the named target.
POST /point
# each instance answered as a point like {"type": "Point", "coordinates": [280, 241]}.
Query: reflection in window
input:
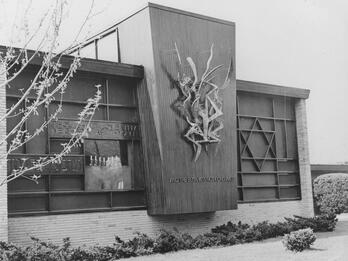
{"type": "Point", "coordinates": [106, 165]}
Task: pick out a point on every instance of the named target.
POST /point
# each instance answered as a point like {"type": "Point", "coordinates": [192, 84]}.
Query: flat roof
{"type": "Point", "coordinates": [272, 89]}
{"type": "Point", "coordinates": [88, 65]}
{"type": "Point", "coordinates": [137, 71]}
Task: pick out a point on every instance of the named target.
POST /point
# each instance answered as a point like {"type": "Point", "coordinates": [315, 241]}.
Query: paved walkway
{"type": "Point", "coordinates": [329, 246]}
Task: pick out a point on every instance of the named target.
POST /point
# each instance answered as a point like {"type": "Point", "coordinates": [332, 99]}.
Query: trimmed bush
{"type": "Point", "coordinates": [264, 230]}
{"type": "Point", "coordinates": [331, 193]}
{"type": "Point", "coordinates": [167, 241]}
{"type": "Point", "coordinates": [299, 240]}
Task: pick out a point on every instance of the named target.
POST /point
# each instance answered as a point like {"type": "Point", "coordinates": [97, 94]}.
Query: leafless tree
{"type": "Point", "coordinates": [48, 84]}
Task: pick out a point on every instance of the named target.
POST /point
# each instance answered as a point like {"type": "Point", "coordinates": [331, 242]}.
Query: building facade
{"type": "Point", "coordinates": [177, 141]}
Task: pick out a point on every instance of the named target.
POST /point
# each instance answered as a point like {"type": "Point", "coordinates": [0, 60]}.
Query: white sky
{"type": "Point", "coordinates": [296, 43]}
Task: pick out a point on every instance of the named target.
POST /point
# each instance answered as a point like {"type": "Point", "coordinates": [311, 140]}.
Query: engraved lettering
{"type": "Point", "coordinates": [200, 179]}
{"type": "Point", "coordinates": [99, 130]}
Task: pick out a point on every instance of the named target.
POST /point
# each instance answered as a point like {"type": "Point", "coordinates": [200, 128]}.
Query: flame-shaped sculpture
{"type": "Point", "coordinates": [200, 105]}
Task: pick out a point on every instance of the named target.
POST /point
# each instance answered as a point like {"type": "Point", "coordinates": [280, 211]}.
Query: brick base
{"type": "Point", "coordinates": [101, 228]}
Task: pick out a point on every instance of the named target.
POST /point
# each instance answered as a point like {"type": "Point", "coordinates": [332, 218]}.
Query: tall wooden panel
{"type": "Point", "coordinates": [175, 183]}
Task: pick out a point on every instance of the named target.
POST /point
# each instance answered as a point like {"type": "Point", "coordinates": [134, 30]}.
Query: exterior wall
{"type": "Point", "coordinates": [158, 30]}
{"type": "Point", "coordinates": [101, 227]}
{"type": "Point", "coordinates": [303, 157]}
{"type": "Point", "coordinates": [3, 167]}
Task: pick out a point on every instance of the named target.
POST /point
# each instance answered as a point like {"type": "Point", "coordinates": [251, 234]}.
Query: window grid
{"type": "Point", "coordinates": [255, 182]}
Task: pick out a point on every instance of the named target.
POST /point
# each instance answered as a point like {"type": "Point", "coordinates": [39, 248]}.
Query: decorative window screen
{"type": "Point", "coordinates": [267, 161]}
{"type": "Point", "coordinates": [105, 172]}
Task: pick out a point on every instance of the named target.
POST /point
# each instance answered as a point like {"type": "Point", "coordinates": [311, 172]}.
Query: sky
{"type": "Point", "coordinates": [295, 43]}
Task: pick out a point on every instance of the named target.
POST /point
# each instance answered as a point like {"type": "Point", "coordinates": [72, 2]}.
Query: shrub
{"type": "Point", "coordinates": [142, 244]}
{"type": "Point", "coordinates": [331, 193]}
{"type": "Point", "coordinates": [214, 239]}
{"type": "Point", "coordinates": [230, 227]}
{"type": "Point", "coordinates": [299, 240]}
{"type": "Point", "coordinates": [321, 223]}
{"type": "Point", "coordinates": [166, 241]}
{"type": "Point", "coordinates": [264, 230]}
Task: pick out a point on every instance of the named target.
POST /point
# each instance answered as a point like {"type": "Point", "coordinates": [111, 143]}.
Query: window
{"type": "Point", "coordinates": [106, 165]}
{"type": "Point", "coordinates": [267, 160]}
{"type": "Point", "coordinates": [104, 172]}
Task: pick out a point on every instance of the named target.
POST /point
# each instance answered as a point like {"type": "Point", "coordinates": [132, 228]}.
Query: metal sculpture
{"type": "Point", "coordinates": [200, 105]}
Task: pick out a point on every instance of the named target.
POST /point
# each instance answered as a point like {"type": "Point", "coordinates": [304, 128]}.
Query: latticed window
{"type": "Point", "coordinates": [104, 172]}
{"type": "Point", "coordinates": [268, 160]}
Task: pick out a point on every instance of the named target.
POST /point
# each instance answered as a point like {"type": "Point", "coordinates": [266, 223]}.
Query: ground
{"type": "Point", "coordinates": [329, 246]}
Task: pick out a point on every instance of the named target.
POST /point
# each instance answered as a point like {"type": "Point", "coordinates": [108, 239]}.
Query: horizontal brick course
{"type": "Point", "coordinates": [102, 227]}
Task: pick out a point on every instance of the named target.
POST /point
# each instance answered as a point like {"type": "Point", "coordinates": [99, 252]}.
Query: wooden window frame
{"type": "Point", "coordinates": [115, 200]}
{"type": "Point", "coordinates": [277, 172]}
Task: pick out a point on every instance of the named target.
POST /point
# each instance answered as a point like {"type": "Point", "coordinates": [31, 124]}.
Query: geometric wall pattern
{"type": "Point", "coordinates": [268, 162]}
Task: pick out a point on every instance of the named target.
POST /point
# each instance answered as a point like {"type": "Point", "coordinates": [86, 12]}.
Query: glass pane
{"type": "Point", "coordinates": [255, 105]}
{"type": "Point", "coordinates": [123, 114]}
{"type": "Point", "coordinates": [122, 91]}
{"type": "Point", "coordinates": [88, 51]}
{"type": "Point", "coordinates": [260, 193]}
{"type": "Point", "coordinates": [12, 121]}
{"type": "Point", "coordinates": [107, 48]}
{"type": "Point", "coordinates": [71, 111]}
{"type": "Point", "coordinates": [259, 179]}
{"type": "Point", "coordinates": [291, 192]}
{"type": "Point", "coordinates": [291, 139]}
{"type": "Point", "coordinates": [83, 88]}
{"type": "Point", "coordinates": [38, 144]}
{"type": "Point", "coordinates": [80, 88]}
{"type": "Point", "coordinates": [56, 146]}
{"type": "Point", "coordinates": [284, 108]}
{"type": "Point", "coordinates": [20, 84]}
{"type": "Point", "coordinates": [107, 165]}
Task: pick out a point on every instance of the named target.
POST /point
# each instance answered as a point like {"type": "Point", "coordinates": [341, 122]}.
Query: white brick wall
{"type": "Point", "coordinates": [3, 166]}
{"type": "Point", "coordinates": [91, 228]}
{"type": "Point", "coordinates": [303, 156]}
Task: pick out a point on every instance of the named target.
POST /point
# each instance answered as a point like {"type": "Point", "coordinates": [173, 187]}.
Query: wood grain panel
{"type": "Point", "coordinates": [136, 47]}
{"type": "Point", "coordinates": [174, 182]}
{"type": "Point", "coordinates": [194, 36]}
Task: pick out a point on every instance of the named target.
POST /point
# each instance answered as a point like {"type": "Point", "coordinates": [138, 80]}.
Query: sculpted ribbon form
{"type": "Point", "coordinates": [200, 105]}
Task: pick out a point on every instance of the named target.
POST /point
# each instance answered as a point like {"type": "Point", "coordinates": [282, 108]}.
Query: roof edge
{"type": "Point", "coordinates": [196, 15]}
{"type": "Point", "coordinates": [272, 89]}
{"type": "Point", "coordinates": [87, 64]}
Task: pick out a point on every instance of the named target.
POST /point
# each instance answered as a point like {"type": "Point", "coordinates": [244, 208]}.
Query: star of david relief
{"type": "Point", "coordinates": [268, 137]}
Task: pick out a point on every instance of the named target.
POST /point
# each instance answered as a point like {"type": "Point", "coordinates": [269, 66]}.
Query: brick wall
{"type": "Point", "coordinates": [89, 228]}
{"type": "Point", "coordinates": [3, 167]}
{"type": "Point", "coordinates": [303, 156]}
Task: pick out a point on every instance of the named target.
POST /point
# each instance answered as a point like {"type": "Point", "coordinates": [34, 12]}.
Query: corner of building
{"type": "Point", "coordinates": [307, 207]}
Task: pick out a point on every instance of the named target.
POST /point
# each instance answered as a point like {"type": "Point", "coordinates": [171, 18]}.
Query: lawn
{"type": "Point", "coordinates": [329, 246]}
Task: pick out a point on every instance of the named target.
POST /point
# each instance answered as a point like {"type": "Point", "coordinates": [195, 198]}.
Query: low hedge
{"type": "Point", "coordinates": [331, 193]}
{"type": "Point", "coordinates": [167, 241]}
